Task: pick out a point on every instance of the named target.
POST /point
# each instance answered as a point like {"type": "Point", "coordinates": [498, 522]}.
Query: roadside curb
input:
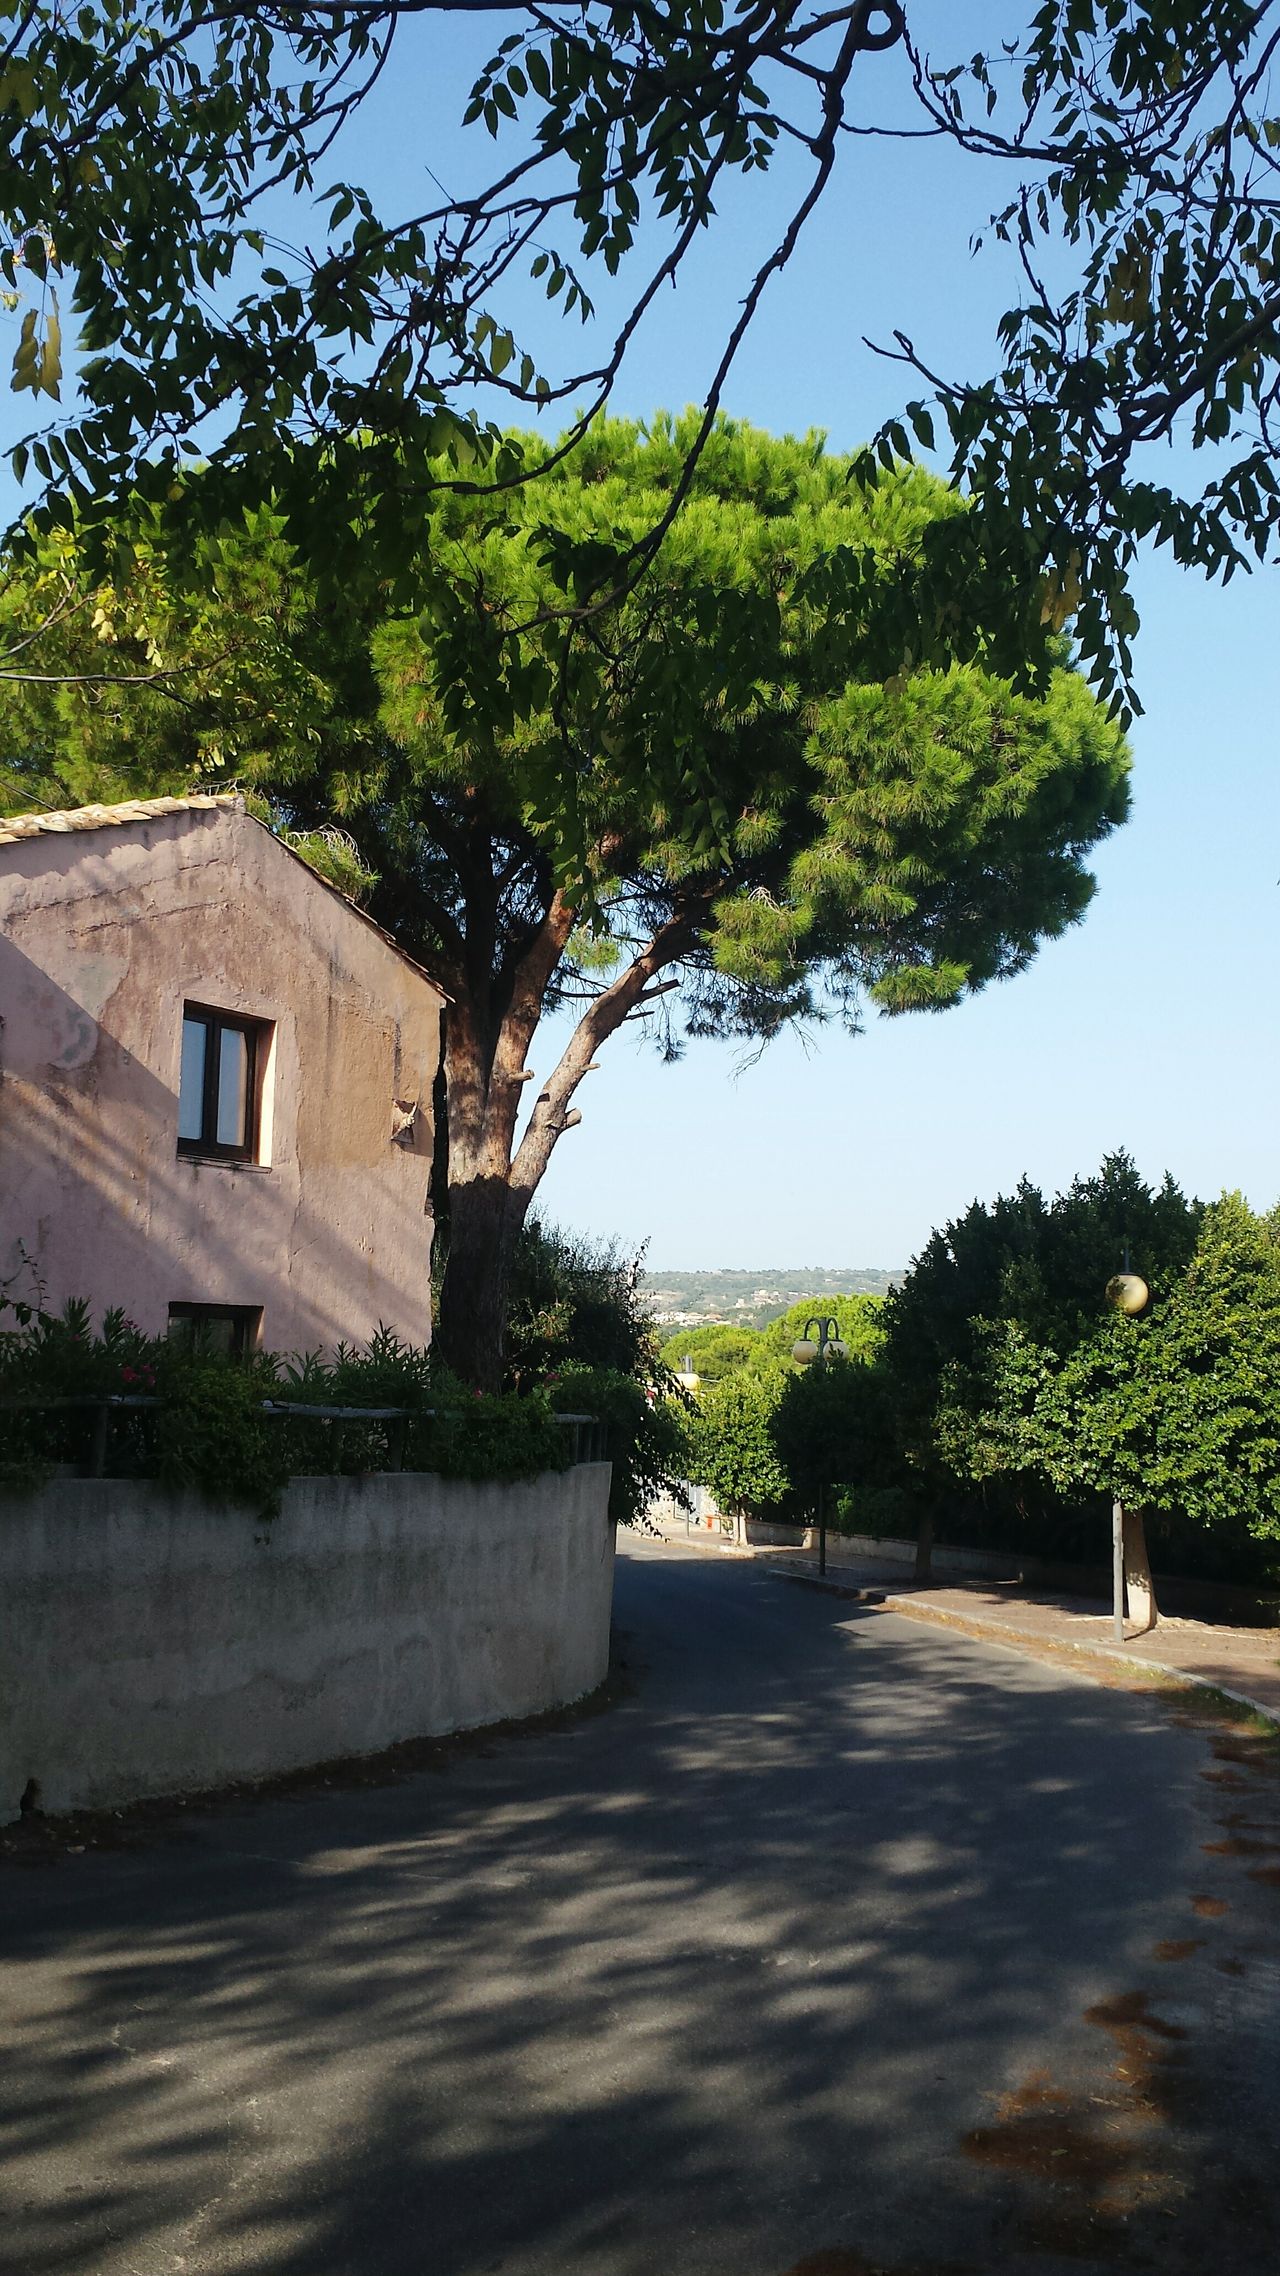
{"type": "Point", "coordinates": [1101, 1655]}
{"type": "Point", "coordinates": [1025, 1641]}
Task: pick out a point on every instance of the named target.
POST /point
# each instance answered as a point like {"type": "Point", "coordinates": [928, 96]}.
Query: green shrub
{"type": "Point", "coordinates": [731, 1445]}
{"type": "Point", "coordinates": [211, 1433]}
{"type": "Point", "coordinates": [578, 1329]}
{"type": "Point", "coordinates": [211, 1429]}
{"type": "Point", "coordinates": [57, 1355]}
{"type": "Point", "coordinates": [882, 1513]}
{"type": "Point", "coordinates": [575, 1303]}
{"type": "Point", "coordinates": [510, 1435]}
{"type": "Point", "coordinates": [645, 1427]}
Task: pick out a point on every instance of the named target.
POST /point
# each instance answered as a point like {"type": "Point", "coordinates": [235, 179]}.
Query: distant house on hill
{"type": "Point", "coordinates": [215, 1081]}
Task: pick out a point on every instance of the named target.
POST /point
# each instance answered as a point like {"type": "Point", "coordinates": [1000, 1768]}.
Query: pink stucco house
{"type": "Point", "coordinates": [215, 1081]}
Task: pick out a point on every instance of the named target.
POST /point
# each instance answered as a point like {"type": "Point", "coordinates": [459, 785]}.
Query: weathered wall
{"type": "Point", "coordinates": [151, 1643]}
{"type": "Point", "coordinates": [104, 934]}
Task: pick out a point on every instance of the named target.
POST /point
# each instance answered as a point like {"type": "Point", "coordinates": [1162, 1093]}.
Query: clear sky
{"type": "Point", "coordinates": [1153, 1025]}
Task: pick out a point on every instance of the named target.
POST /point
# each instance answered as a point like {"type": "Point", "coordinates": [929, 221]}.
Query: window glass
{"type": "Point", "coordinates": [231, 1330]}
{"type": "Point", "coordinates": [233, 1087]}
{"type": "Point", "coordinates": [223, 1062]}
{"type": "Point", "coordinates": [195, 1036]}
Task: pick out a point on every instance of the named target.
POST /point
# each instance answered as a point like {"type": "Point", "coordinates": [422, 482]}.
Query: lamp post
{"type": "Point", "coordinates": [1130, 1295]}
{"type": "Point", "coordinates": [811, 1350]}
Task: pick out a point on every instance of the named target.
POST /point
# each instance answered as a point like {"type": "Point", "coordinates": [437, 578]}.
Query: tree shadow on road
{"type": "Point", "coordinates": [747, 1971]}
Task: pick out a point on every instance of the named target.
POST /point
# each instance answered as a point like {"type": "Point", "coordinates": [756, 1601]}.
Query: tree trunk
{"type": "Point", "coordinates": [484, 1216]}
{"type": "Point", "coordinates": [492, 1182]}
{"type": "Point", "coordinates": [1139, 1586]}
{"type": "Point", "coordinates": [471, 1330]}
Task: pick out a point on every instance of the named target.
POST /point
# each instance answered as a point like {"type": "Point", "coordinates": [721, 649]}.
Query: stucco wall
{"type": "Point", "coordinates": [104, 935]}
{"type": "Point", "coordinates": [151, 1643]}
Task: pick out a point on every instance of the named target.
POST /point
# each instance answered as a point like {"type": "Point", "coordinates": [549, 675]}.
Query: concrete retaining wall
{"type": "Point", "coordinates": [1232, 1603]}
{"type": "Point", "coordinates": [976, 1564]}
{"type": "Point", "coordinates": [847, 1548]}
{"type": "Point", "coordinates": [842, 1548]}
{"type": "Point", "coordinates": [152, 1643]}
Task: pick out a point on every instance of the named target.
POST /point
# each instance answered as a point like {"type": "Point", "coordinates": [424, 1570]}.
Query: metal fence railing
{"type": "Point", "coordinates": [103, 1411]}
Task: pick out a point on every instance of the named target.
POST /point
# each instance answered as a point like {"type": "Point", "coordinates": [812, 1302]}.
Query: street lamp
{"type": "Point", "coordinates": [1128, 1292]}
{"type": "Point", "coordinates": [826, 1345]}
{"type": "Point", "coordinates": [811, 1350]}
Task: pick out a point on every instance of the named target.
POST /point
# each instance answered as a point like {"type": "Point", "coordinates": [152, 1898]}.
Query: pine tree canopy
{"type": "Point", "coordinates": [731, 802]}
{"type": "Point", "coordinates": [809, 818]}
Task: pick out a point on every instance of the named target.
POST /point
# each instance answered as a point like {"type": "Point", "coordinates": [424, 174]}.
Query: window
{"type": "Point", "coordinates": [234, 1329]}
{"type": "Point", "coordinates": [219, 1090]}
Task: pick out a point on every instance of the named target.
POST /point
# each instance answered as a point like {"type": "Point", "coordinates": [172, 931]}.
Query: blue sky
{"type": "Point", "coordinates": [1152, 1026]}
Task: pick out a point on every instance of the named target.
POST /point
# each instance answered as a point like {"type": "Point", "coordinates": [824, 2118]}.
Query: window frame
{"type": "Point", "coordinates": [245, 1319]}
{"type": "Point", "coordinates": [210, 1148]}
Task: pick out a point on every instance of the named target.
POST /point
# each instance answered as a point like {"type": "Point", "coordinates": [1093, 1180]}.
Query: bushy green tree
{"type": "Point", "coordinates": [860, 829]}
{"type": "Point", "coordinates": [821, 1426]}
{"type": "Point", "coordinates": [731, 1446]}
{"type": "Point", "coordinates": [713, 1352]}
{"type": "Point", "coordinates": [1177, 1412]}
{"type": "Point", "coordinates": [1040, 1265]}
{"type": "Point", "coordinates": [580, 1332]}
{"type": "Point", "coordinates": [1038, 1269]}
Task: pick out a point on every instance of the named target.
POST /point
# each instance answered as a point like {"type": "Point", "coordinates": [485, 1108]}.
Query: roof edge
{"type": "Point", "coordinates": [57, 822]}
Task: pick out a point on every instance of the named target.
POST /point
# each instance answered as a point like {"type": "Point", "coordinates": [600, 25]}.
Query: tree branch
{"type": "Point", "coordinates": [597, 1024]}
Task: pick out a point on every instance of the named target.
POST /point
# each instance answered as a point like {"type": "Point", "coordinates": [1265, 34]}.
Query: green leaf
{"type": "Point", "coordinates": [51, 355]}
{"type": "Point", "coordinates": [26, 357]}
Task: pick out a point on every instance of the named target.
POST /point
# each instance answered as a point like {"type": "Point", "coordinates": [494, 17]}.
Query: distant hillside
{"type": "Point", "coordinates": [752, 1299]}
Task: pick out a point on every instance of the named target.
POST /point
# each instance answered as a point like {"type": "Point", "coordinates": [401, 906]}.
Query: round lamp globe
{"type": "Point", "coordinates": [1128, 1293]}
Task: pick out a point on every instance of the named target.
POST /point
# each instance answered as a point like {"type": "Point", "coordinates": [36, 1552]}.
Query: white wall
{"type": "Point", "coordinates": [152, 1643]}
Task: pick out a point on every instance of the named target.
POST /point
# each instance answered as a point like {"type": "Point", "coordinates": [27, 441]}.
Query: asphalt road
{"type": "Point", "coordinates": [836, 1943]}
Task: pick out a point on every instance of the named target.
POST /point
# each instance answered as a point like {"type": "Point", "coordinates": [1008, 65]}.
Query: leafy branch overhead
{"type": "Point", "coordinates": [236, 290]}
{"type": "Point", "coordinates": [1144, 147]}
{"type": "Point", "coordinates": [227, 276]}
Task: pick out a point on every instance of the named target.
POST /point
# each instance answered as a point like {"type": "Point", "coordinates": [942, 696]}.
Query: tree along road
{"type": "Point", "coordinates": [838, 1942]}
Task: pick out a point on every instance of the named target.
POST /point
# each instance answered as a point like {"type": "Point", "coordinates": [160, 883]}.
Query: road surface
{"type": "Point", "coordinates": [836, 1943]}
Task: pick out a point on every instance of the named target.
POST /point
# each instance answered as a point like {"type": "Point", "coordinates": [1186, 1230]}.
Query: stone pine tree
{"type": "Point", "coordinates": [860, 826]}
